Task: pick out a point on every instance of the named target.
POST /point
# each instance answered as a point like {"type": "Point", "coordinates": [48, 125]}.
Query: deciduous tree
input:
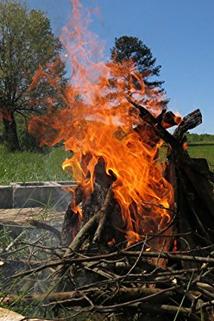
{"type": "Point", "coordinates": [28, 50]}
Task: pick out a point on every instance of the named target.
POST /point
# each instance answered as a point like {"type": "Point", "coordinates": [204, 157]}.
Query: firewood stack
{"type": "Point", "coordinates": [98, 272]}
{"type": "Point", "coordinates": [116, 278]}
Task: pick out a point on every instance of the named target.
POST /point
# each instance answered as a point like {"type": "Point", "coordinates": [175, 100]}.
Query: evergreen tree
{"type": "Point", "coordinates": [126, 48]}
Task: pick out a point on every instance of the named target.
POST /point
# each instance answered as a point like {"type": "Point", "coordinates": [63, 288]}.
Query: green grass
{"type": "Point", "coordinates": [196, 150]}
{"type": "Point", "coordinates": [29, 166]}
{"type": "Point", "coordinates": [203, 151]}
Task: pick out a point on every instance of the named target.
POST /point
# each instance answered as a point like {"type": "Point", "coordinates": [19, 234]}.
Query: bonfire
{"type": "Point", "coordinates": [139, 228]}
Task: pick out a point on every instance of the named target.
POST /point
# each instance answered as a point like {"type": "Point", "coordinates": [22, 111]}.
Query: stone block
{"type": "Point", "coordinates": [42, 194]}
{"type": "Point", "coordinates": [6, 197]}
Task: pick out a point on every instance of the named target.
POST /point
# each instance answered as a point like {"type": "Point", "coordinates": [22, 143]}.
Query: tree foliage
{"type": "Point", "coordinates": [200, 138]}
{"type": "Point", "coordinates": [27, 45]}
{"type": "Point", "coordinates": [126, 48]}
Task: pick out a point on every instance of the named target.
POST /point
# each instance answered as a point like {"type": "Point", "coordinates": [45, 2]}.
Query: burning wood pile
{"type": "Point", "coordinates": [153, 270]}
{"type": "Point", "coordinates": [167, 270]}
{"type": "Point", "coordinates": [139, 231]}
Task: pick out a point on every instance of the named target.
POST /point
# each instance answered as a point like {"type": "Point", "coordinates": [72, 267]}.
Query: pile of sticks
{"type": "Point", "coordinates": [128, 282]}
{"type": "Point", "coordinates": [137, 282]}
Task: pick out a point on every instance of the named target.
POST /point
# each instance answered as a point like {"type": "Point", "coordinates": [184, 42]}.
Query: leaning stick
{"type": "Point", "coordinates": [82, 235]}
{"type": "Point", "coordinates": [103, 215]}
{"type": "Point", "coordinates": [72, 296]}
{"type": "Point", "coordinates": [161, 131]}
{"type": "Point", "coordinates": [86, 230]}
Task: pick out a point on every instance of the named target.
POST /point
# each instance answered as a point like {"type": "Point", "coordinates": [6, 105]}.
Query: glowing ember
{"type": "Point", "coordinates": [99, 123]}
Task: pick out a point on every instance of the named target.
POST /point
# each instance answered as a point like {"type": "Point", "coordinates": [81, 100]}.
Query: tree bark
{"type": "Point", "coordinates": [10, 132]}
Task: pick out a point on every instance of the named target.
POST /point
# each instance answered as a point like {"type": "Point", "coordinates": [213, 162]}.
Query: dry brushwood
{"type": "Point", "coordinates": [125, 282]}
{"type": "Point", "coordinates": [119, 280]}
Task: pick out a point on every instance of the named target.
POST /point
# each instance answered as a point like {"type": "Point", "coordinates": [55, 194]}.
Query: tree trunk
{"type": "Point", "coordinates": [10, 132]}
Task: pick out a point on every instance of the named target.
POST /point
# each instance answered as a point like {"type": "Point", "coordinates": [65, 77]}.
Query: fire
{"type": "Point", "coordinates": [98, 123]}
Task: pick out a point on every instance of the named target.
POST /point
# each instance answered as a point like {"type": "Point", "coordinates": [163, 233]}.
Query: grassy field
{"type": "Point", "coordinates": [203, 151]}
{"type": "Point", "coordinates": [28, 166]}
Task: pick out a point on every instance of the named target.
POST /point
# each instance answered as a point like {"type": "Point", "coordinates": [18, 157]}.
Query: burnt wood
{"type": "Point", "coordinates": [192, 181]}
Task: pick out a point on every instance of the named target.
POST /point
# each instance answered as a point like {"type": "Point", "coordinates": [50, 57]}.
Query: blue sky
{"type": "Point", "coordinates": [179, 33]}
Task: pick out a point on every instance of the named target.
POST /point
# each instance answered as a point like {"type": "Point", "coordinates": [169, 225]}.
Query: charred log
{"type": "Point", "coordinates": [195, 201]}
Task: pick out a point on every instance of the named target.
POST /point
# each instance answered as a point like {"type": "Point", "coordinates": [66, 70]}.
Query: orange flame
{"type": "Point", "coordinates": [98, 122]}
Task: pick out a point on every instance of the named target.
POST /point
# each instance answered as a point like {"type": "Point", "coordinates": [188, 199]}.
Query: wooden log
{"type": "Point", "coordinates": [161, 131]}
{"type": "Point", "coordinates": [87, 229]}
{"type": "Point", "coordinates": [194, 193]}
{"type": "Point", "coordinates": [122, 294]}
{"type": "Point", "coordinates": [190, 121]}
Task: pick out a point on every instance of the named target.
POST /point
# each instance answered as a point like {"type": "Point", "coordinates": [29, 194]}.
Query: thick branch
{"type": "Point", "coordinates": [190, 121]}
